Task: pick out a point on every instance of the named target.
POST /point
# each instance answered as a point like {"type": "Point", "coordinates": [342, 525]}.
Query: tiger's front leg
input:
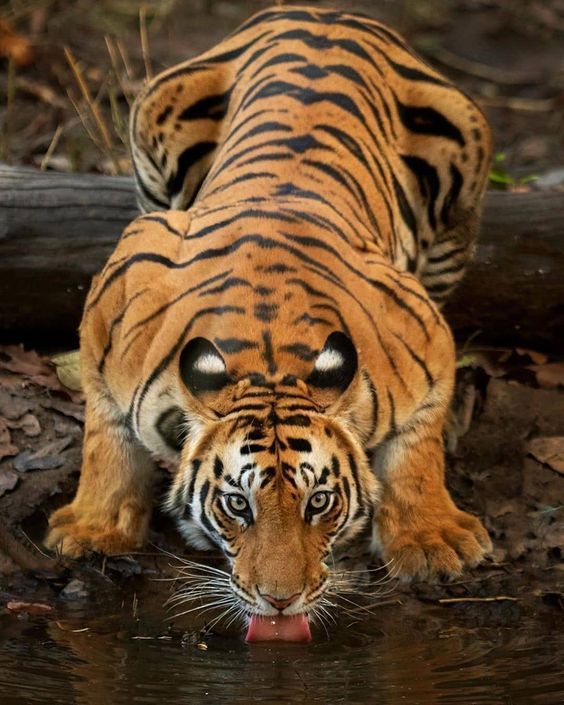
{"type": "Point", "coordinates": [111, 510]}
{"type": "Point", "coordinates": [419, 529]}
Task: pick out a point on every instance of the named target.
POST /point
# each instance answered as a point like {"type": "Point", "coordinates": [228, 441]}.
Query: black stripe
{"type": "Point", "coordinates": [163, 115]}
{"type": "Point", "coordinates": [239, 179]}
{"type": "Point", "coordinates": [162, 221]}
{"type": "Point", "coordinates": [311, 320]}
{"type": "Point", "coordinates": [206, 523]}
{"type": "Point", "coordinates": [265, 312]}
{"type": "Point", "coordinates": [391, 402]}
{"type": "Point", "coordinates": [187, 158]}
{"type": "Point", "coordinates": [446, 255]}
{"type": "Point", "coordinates": [413, 74]}
{"type": "Point", "coordinates": [234, 345]}
{"type": "Point", "coordinates": [354, 472]}
{"type": "Point", "coordinates": [428, 181]}
{"type": "Point", "coordinates": [427, 121]}
{"type": "Point", "coordinates": [406, 211]}
{"type": "Point", "coordinates": [286, 58]}
{"type": "Point", "coordinates": [456, 182]}
{"type": "Point", "coordinates": [335, 466]}
{"type": "Point", "coordinates": [299, 444]}
{"type": "Point", "coordinates": [295, 420]}
{"type": "Point", "coordinates": [301, 351]}
{"type": "Point", "coordinates": [268, 352]}
{"type": "Point", "coordinates": [196, 465]}
{"type": "Point", "coordinates": [232, 282]}
{"type": "Point", "coordinates": [322, 42]}
{"type": "Point", "coordinates": [217, 467]}
{"type": "Point", "coordinates": [306, 96]}
{"type": "Point", "coordinates": [141, 186]}
{"type": "Point", "coordinates": [212, 107]}
{"type": "Point", "coordinates": [113, 325]}
{"type": "Point", "coordinates": [374, 405]}
{"type": "Point", "coordinates": [174, 301]}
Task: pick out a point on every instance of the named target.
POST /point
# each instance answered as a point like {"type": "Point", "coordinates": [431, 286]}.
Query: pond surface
{"type": "Point", "coordinates": [478, 654]}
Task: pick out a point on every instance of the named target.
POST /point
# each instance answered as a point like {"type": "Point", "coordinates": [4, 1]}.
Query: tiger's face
{"type": "Point", "coordinates": [274, 480]}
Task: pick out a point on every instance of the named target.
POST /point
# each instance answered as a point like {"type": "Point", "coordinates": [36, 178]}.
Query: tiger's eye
{"type": "Point", "coordinates": [318, 502]}
{"type": "Point", "coordinates": [237, 503]}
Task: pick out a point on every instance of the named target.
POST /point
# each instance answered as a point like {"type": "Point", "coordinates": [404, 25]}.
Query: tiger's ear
{"type": "Point", "coordinates": [335, 366]}
{"type": "Point", "coordinates": [202, 367]}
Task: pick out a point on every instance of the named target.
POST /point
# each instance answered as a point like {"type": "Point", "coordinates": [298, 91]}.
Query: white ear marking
{"type": "Point", "coordinates": [329, 360]}
{"type": "Point", "coordinates": [209, 364]}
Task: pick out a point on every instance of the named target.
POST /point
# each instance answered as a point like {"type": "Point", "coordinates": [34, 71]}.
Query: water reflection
{"type": "Point", "coordinates": [388, 660]}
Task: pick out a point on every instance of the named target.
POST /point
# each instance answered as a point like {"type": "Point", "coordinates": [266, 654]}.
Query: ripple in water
{"type": "Point", "coordinates": [387, 660]}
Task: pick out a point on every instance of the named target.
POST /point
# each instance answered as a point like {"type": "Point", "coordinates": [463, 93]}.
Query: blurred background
{"type": "Point", "coordinates": [69, 70]}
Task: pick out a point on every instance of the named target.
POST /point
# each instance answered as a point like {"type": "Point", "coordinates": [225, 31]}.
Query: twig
{"type": "Point", "coordinates": [527, 105]}
{"type": "Point", "coordinates": [84, 121]}
{"type": "Point", "coordinates": [10, 95]}
{"type": "Point", "coordinates": [488, 73]}
{"type": "Point", "coordinates": [145, 42]}
{"type": "Point", "coordinates": [73, 631]}
{"type": "Point", "coordinates": [113, 58]}
{"type": "Point", "coordinates": [96, 114]}
{"type": "Point", "coordinates": [51, 148]}
{"type": "Point", "coordinates": [27, 538]}
{"type": "Point", "coordinates": [497, 598]}
{"type": "Point", "coordinates": [125, 59]}
{"type": "Point", "coordinates": [41, 91]}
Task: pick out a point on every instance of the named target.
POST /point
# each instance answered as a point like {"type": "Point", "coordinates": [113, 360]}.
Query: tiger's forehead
{"type": "Point", "coordinates": [297, 455]}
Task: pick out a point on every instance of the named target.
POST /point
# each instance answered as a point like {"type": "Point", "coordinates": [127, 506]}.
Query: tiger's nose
{"type": "Point", "coordinates": [281, 602]}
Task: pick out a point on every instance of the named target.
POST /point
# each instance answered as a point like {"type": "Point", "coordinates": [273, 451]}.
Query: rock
{"type": "Point", "coordinates": [551, 179]}
{"type": "Point", "coordinates": [75, 590]}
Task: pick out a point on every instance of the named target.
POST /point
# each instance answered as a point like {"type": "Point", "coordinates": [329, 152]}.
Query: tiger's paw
{"type": "Point", "coordinates": [70, 537]}
{"type": "Point", "coordinates": [434, 547]}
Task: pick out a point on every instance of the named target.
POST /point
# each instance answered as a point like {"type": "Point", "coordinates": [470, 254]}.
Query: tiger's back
{"type": "Point", "coordinates": [301, 102]}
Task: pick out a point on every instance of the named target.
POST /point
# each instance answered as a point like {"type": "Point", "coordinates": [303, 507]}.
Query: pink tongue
{"type": "Point", "coordinates": [279, 628]}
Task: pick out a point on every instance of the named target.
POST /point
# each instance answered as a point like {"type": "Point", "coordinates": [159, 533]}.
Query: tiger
{"type": "Point", "coordinates": [271, 323]}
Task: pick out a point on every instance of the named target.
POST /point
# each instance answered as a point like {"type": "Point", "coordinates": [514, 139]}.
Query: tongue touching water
{"type": "Point", "coordinates": [279, 628]}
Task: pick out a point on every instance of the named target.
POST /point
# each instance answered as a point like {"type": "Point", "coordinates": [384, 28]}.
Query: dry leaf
{"type": "Point", "coordinates": [28, 424]}
{"type": "Point", "coordinates": [29, 607]}
{"type": "Point", "coordinates": [46, 458]}
{"type": "Point", "coordinates": [15, 47]}
{"type": "Point", "coordinates": [23, 362]}
{"type": "Point", "coordinates": [7, 448]}
{"type": "Point", "coordinates": [67, 408]}
{"type": "Point", "coordinates": [8, 480]}
{"type": "Point", "coordinates": [550, 451]}
{"type": "Point", "coordinates": [12, 407]}
{"type": "Point", "coordinates": [549, 376]}
{"type": "Point", "coordinates": [68, 369]}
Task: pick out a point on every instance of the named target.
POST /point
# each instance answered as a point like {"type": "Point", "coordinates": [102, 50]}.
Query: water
{"type": "Point", "coordinates": [485, 654]}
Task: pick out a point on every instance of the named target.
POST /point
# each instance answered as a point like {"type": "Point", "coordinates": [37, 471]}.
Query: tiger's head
{"type": "Point", "coordinates": [274, 473]}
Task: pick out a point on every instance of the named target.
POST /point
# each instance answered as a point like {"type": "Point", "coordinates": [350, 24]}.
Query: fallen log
{"type": "Point", "coordinates": [56, 230]}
